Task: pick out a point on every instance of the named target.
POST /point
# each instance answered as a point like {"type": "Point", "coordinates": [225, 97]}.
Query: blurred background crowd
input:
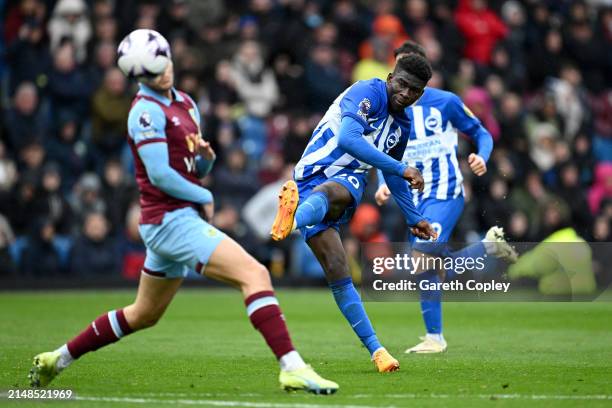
{"type": "Point", "coordinates": [537, 73]}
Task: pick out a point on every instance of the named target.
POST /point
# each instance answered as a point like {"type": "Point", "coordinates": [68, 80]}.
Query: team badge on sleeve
{"type": "Point", "coordinates": [145, 120]}
{"type": "Point", "coordinates": [364, 108]}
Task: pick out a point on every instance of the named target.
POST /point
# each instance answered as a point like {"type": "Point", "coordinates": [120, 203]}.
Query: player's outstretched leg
{"type": "Point", "coordinates": [153, 297]}
{"type": "Point", "coordinates": [493, 244]}
{"type": "Point", "coordinates": [232, 264]}
{"type": "Point", "coordinates": [291, 216]}
{"type": "Point", "coordinates": [328, 249]}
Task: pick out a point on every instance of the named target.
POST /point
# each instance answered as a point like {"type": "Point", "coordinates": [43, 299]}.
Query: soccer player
{"type": "Point", "coordinates": [170, 156]}
{"type": "Point", "coordinates": [432, 148]}
{"type": "Point", "coordinates": [365, 126]}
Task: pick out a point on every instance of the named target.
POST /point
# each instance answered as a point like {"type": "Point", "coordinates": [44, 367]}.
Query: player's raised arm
{"type": "Point", "coordinates": [464, 120]}
{"type": "Point", "coordinates": [146, 124]}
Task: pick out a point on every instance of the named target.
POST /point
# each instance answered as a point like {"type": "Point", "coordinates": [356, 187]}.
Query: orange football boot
{"type": "Point", "coordinates": [384, 361]}
{"type": "Point", "coordinates": [287, 205]}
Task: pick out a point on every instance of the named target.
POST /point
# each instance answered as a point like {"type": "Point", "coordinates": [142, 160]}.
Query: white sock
{"type": "Point", "coordinates": [436, 336]}
{"type": "Point", "coordinates": [291, 361]}
{"type": "Point", "coordinates": [65, 358]}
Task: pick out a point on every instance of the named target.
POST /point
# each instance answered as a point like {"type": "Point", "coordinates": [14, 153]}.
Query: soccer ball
{"type": "Point", "coordinates": [143, 52]}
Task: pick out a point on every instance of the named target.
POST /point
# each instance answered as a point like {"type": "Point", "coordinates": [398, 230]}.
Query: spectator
{"type": "Point", "coordinates": [118, 193]}
{"type": "Point", "coordinates": [349, 20]}
{"type": "Point", "coordinates": [587, 50]}
{"type": "Point", "coordinates": [495, 206]}
{"type": "Point", "coordinates": [323, 80]}
{"type": "Point", "coordinates": [40, 257]}
{"type": "Point", "coordinates": [390, 30]}
{"type": "Point", "coordinates": [297, 138]}
{"type": "Point", "coordinates": [109, 112]}
{"type": "Point", "coordinates": [28, 56]}
{"type": "Point", "coordinates": [106, 29]}
{"type": "Point", "coordinates": [290, 77]}
{"type": "Point", "coordinates": [227, 218]}
{"type": "Point", "coordinates": [375, 66]}
{"type": "Point", "coordinates": [234, 182]}
{"type": "Point", "coordinates": [602, 186]}
{"type": "Point", "coordinates": [518, 227]}
{"type": "Point", "coordinates": [65, 149]}
{"type": "Point", "coordinates": [223, 88]}
{"type": "Point", "coordinates": [68, 85]}
{"type": "Point", "coordinates": [222, 130]}
{"type": "Point", "coordinates": [254, 82]}
{"type": "Point", "coordinates": [555, 216]}
{"type": "Point", "coordinates": [87, 197]}
{"type": "Point", "coordinates": [22, 207]}
{"type": "Point", "coordinates": [95, 253]}
{"type": "Point", "coordinates": [105, 56]}
{"type": "Point", "coordinates": [415, 15]}
{"type": "Point", "coordinates": [257, 88]}
{"type": "Point", "coordinates": [570, 100]}
{"type": "Point", "coordinates": [448, 34]}
{"type": "Point", "coordinates": [479, 102]}
{"type": "Point", "coordinates": [19, 15]}
{"type": "Point", "coordinates": [25, 117]}
{"type": "Point", "coordinates": [512, 123]}
{"type": "Point", "coordinates": [543, 138]}
{"type": "Point", "coordinates": [32, 157]}
{"type": "Point", "coordinates": [481, 27]}
{"type": "Point", "coordinates": [571, 192]}
{"type": "Point", "coordinates": [545, 59]}
{"type": "Point", "coordinates": [602, 229]}
{"type": "Point", "coordinates": [528, 198]}
{"type": "Point", "coordinates": [57, 209]}
{"type": "Point", "coordinates": [70, 22]}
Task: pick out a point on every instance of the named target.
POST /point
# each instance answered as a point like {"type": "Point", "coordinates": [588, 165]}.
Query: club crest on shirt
{"type": "Point", "coordinates": [364, 108]}
{"type": "Point", "coordinates": [144, 120]}
{"type": "Point", "coordinates": [432, 123]}
{"type": "Point", "coordinates": [392, 140]}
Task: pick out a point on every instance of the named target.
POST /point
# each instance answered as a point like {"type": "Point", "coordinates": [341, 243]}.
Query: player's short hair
{"type": "Point", "coordinates": [410, 47]}
{"type": "Point", "coordinates": [415, 65]}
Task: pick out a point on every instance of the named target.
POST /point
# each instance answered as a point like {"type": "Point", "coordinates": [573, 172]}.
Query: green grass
{"type": "Point", "coordinates": [204, 352]}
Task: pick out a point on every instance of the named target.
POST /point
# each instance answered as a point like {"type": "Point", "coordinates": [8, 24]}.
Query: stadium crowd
{"type": "Point", "coordinates": [538, 73]}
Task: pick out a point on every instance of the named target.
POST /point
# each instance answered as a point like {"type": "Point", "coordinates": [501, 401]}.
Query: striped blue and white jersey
{"type": "Point", "coordinates": [432, 146]}
{"type": "Point", "coordinates": [365, 101]}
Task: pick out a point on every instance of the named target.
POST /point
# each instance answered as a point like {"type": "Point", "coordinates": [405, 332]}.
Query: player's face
{"type": "Point", "coordinates": [403, 92]}
{"type": "Point", "coordinates": [163, 82]}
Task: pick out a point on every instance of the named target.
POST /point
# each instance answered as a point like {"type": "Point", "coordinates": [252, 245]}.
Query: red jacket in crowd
{"type": "Point", "coordinates": [481, 27]}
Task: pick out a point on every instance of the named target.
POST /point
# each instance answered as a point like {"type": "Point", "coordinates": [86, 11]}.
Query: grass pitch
{"type": "Point", "coordinates": [204, 352]}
